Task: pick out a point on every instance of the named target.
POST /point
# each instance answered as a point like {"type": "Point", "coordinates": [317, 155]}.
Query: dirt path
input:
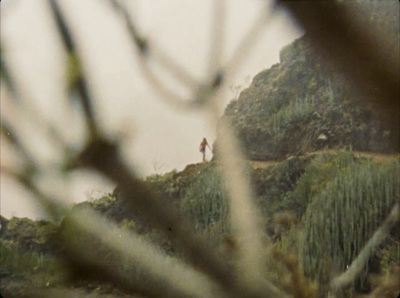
{"type": "Point", "coordinates": [375, 157]}
{"type": "Point", "coordinates": [263, 164]}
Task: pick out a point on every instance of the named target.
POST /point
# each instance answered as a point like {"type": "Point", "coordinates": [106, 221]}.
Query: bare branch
{"type": "Point", "coordinates": [341, 282]}
{"type": "Point", "coordinates": [250, 39]}
{"type": "Point", "coordinates": [104, 157]}
{"type": "Point", "coordinates": [244, 218]}
{"type": "Point", "coordinates": [81, 84]}
{"type": "Point", "coordinates": [217, 37]}
{"type": "Point", "coordinates": [148, 51]}
{"type": "Point", "coordinates": [162, 275]}
{"type": "Point", "coordinates": [53, 208]}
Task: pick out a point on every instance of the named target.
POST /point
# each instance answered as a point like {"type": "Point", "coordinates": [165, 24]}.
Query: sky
{"type": "Point", "coordinates": [158, 137]}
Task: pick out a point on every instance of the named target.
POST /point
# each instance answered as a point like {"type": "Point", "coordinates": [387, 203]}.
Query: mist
{"type": "Point", "coordinates": [157, 137]}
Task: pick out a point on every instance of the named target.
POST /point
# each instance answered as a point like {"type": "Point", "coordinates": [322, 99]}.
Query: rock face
{"type": "Point", "coordinates": [302, 104]}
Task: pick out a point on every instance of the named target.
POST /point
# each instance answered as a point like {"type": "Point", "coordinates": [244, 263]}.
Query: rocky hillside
{"type": "Point", "coordinates": [302, 104]}
{"type": "Point", "coordinates": [320, 205]}
{"type": "Point", "coordinates": [283, 192]}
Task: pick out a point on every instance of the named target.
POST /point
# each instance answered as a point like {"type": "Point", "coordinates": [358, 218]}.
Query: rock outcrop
{"type": "Point", "coordinates": [303, 104]}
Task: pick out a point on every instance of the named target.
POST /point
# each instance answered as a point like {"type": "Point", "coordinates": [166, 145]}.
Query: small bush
{"type": "Point", "coordinates": [297, 110]}
{"type": "Point", "coordinates": [321, 170]}
{"type": "Point", "coordinates": [390, 255]}
{"type": "Point", "coordinates": [206, 202]}
{"type": "Point", "coordinates": [343, 217]}
{"type": "Point", "coordinates": [41, 270]}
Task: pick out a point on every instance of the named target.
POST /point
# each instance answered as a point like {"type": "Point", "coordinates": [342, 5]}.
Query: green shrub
{"type": "Point", "coordinates": [296, 110]}
{"type": "Point", "coordinates": [206, 203]}
{"type": "Point", "coordinates": [157, 178]}
{"type": "Point", "coordinates": [321, 170]}
{"type": "Point", "coordinates": [343, 217]}
{"type": "Point", "coordinates": [41, 270]}
{"type": "Point", "coordinates": [390, 256]}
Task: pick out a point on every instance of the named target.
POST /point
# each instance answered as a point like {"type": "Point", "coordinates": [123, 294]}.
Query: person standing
{"type": "Point", "coordinates": [203, 146]}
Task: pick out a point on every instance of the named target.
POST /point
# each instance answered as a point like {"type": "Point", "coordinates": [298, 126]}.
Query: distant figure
{"type": "Point", "coordinates": [203, 145]}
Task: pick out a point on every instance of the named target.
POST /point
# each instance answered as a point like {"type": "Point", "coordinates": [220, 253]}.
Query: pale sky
{"type": "Point", "coordinates": [158, 136]}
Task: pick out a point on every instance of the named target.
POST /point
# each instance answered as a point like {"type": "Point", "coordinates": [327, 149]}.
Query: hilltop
{"type": "Point", "coordinates": [283, 190]}
{"type": "Point", "coordinates": [311, 149]}
{"type": "Point", "coordinates": [302, 104]}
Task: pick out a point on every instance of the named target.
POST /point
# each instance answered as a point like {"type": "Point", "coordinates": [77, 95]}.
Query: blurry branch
{"type": "Point", "coordinates": [249, 41]}
{"type": "Point", "coordinates": [80, 84]}
{"type": "Point", "coordinates": [209, 92]}
{"type": "Point", "coordinates": [165, 92]}
{"type": "Point", "coordinates": [162, 276]}
{"type": "Point", "coordinates": [13, 139]}
{"type": "Point", "coordinates": [9, 92]}
{"type": "Point", "coordinates": [247, 231]}
{"type": "Point", "coordinates": [329, 28]}
{"type": "Point", "coordinates": [167, 276]}
{"type": "Point", "coordinates": [5, 74]}
{"type": "Point", "coordinates": [53, 209]}
{"type": "Point", "coordinates": [181, 74]}
{"type": "Point", "coordinates": [217, 37]}
{"type": "Point", "coordinates": [301, 287]}
{"type": "Point", "coordinates": [26, 175]}
{"type": "Point", "coordinates": [43, 124]}
{"type": "Point", "coordinates": [147, 52]}
{"type": "Point", "coordinates": [244, 218]}
{"type": "Point", "coordinates": [336, 32]}
{"type": "Point", "coordinates": [140, 42]}
{"type": "Point", "coordinates": [339, 283]}
{"type": "Point", "coordinates": [203, 92]}
{"type": "Point", "coordinates": [105, 158]}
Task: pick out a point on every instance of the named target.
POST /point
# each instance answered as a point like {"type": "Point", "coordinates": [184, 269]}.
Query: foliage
{"type": "Point", "coordinates": [40, 269]}
{"type": "Point", "coordinates": [288, 106]}
{"type": "Point", "coordinates": [282, 114]}
{"type": "Point", "coordinates": [341, 219]}
{"type": "Point", "coordinates": [273, 184]}
{"type": "Point", "coordinates": [390, 255]}
{"type": "Point", "coordinates": [157, 178]}
{"type": "Point", "coordinates": [206, 202]}
{"type": "Point", "coordinates": [297, 110]}
{"type": "Point", "coordinates": [321, 170]}
{"type": "Point", "coordinates": [28, 234]}
{"type": "Point", "coordinates": [74, 71]}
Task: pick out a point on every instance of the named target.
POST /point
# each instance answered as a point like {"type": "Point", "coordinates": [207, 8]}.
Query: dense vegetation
{"type": "Point", "coordinates": [322, 208]}
{"type": "Point", "coordinates": [302, 105]}
{"type": "Point", "coordinates": [320, 197]}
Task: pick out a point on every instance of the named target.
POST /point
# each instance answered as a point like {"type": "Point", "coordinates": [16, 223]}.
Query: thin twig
{"type": "Point", "coordinates": [148, 52]}
{"type": "Point", "coordinates": [105, 158]}
{"type": "Point", "coordinates": [249, 41]}
{"type": "Point", "coordinates": [52, 207]}
{"type": "Point", "coordinates": [217, 37]}
{"type": "Point", "coordinates": [244, 218]}
{"type": "Point", "coordinates": [167, 276]}
{"type": "Point", "coordinates": [81, 84]}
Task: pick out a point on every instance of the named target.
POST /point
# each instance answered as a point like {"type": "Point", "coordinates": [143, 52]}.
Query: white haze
{"type": "Point", "coordinates": [158, 136]}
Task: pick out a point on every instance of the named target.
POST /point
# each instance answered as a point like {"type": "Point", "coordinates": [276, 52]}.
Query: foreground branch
{"type": "Point", "coordinates": [104, 157]}
{"type": "Point", "coordinates": [339, 283]}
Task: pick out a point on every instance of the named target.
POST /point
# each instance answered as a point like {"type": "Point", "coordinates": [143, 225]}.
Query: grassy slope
{"type": "Point", "coordinates": [283, 190]}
